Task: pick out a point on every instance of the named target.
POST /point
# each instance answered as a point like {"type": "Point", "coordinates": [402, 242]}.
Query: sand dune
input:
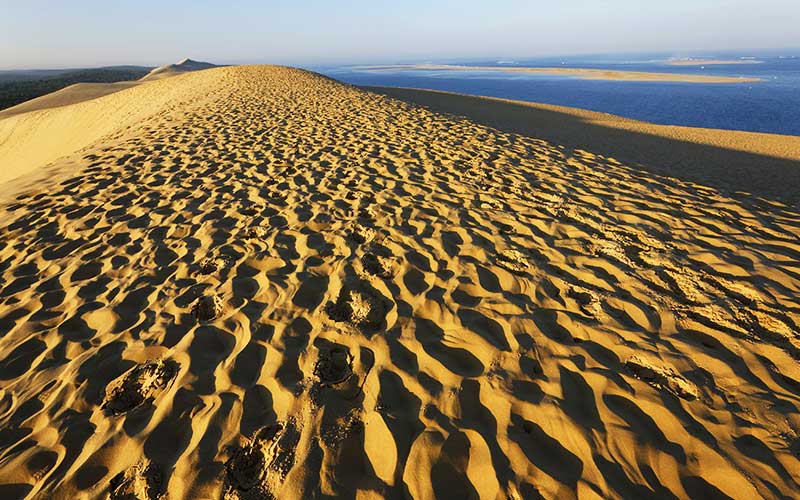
{"type": "Point", "coordinates": [75, 93]}
{"type": "Point", "coordinates": [261, 283]}
{"type": "Point", "coordinates": [184, 66]}
{"type": "Point", "coordinates": [53, 126]}
{"type": "Point", "coordinates": [81, 92]}
{"type": "Point", "coordinates": [765, 165]}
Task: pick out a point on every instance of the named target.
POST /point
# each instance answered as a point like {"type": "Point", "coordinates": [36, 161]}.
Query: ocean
{"type": "Point", "coordinates": [771, 106]}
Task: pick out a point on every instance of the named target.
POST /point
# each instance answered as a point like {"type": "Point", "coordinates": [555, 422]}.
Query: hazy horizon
{"type": "Point", "coordinates": [89, 34]}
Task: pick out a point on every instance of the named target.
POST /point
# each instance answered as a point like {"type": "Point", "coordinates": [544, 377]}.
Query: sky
{"type": "Point", "coordinates": [86, 33]}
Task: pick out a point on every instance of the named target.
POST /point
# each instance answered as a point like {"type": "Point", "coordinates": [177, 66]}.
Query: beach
{"type": "Point", "coordinates": [258, 282]}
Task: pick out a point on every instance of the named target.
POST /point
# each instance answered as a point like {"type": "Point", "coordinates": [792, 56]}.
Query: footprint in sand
{"type": "Point", "coordinates": [334, 366]}
{"type": "Point", "coordinates": [353, 195]}
{"type": "Point", "coordinates": [368, 213]}
{"type": "Point", "coordinates": [253, 209]}
{"type": "Point", "coordinates": [361, 234]}
{"type": "Point", "coordinates": [513, 260]}
{"type": "Point", "coordinates": [360, 305]}
{"type": "Point", "coordinates": [143, 481]}
{"type": "Point", "coordinates": [140, 385]}
{"type": "Point", "coordinates": [211, 265]}
{"type": "Point", "coordinates": [379, 265]}
{"type": "Point", "coordinates": [339, 374]}
{"type": "Point", "coordinates": [661, 378]}
{"type": "Point", "coordinates": [505, 228]}
{"type": "Point", "coordinates": [587, 300]}
{"type": "Point", "coordinates": [256, 232]}
{"type": "Point", "coordinates": [257, 468]}
{"type": "Point", "coordinates": [207, 307]}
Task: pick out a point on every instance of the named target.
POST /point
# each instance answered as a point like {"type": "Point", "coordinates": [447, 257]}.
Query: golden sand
{"type": "Point", "coordinates": [766, 165]}
{"type": "Point", "coordinates": [272, 285]}
{"type": "Point", "coordinates": [582, 73]}
{"type": "Point", "coordinates": [170, 70]}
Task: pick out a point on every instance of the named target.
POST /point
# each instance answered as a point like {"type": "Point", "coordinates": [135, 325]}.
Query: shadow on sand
{"type": "Point", "coordinates": [724, 169]}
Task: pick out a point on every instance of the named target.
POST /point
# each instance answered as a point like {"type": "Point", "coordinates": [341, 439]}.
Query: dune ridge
{"type": "Point", "coordinates": [274, 285]}
{"type": "Point", "coordinates": [182, 66]}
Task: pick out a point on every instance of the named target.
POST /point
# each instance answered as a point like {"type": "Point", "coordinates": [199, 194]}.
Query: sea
{"type": "Point", "coordinates": [771, 106]}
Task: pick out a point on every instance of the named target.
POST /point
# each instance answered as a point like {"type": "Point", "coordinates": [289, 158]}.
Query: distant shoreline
{"type": "Point", "coordinates": [582, 73]}
{"type": "Point", "coordinates": [712, 62]}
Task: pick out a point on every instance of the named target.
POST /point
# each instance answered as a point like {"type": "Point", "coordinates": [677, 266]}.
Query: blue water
{"type": "Point", "coordinates": [772, 105]}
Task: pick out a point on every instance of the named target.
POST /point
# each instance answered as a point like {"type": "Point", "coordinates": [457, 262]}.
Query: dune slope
{"type": "Point", "coordinates": [75, 93]}
{"type": "Point", "coordinates": [765, 165]}
{"type": "Point", "coordinates": [183, 66]}
{"type": "Point", "coordinates": [279, 286]}
{"type": "Point", "coordinates": [80, 92]}
{"type": "Point", "coordinates": [59, 124]}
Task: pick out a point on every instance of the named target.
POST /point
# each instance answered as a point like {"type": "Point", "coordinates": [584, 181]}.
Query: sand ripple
{"type": "Point", "coordinates": [281, 286]}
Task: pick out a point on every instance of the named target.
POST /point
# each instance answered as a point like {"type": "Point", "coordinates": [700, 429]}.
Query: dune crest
{"type": "Point", "coordinates": [257, 282]}
{"type": "Point", "coordinates": [183, 66]}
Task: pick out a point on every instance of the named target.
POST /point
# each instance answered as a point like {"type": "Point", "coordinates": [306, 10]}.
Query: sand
{"type": "Point", "coordinates": [170, 70]}
{"type": "Point", "coordinates": [278, 286]}
{"type": "Point", "coordinates": [81, 92]}
{"type": "Point", "coordinates": [764, 165]}
{"type": "Point", "coordinates": [582, 73]}
{"type": "Point", "coordinates": [72, 94]}
{"type": "Point", "coordinates": [39, 131]}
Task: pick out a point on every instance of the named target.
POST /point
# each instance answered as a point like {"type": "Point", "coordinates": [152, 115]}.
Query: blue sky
{"type": "Point", "coordinates": [51, 34]}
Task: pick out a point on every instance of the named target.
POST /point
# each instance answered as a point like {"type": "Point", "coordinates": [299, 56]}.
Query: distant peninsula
{"type": "Point", "coordinates": [711, 62]}
{"type": "Point", "coordinates": [582, 73]}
